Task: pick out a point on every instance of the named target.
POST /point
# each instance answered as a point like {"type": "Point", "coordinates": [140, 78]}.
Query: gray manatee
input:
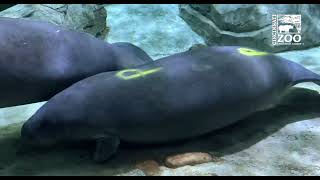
{"type": "Point", "coordinates": [174, 98]}
{"type": "Point", "coordinates": [39, 59]}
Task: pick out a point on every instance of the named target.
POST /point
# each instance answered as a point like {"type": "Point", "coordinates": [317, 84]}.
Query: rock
{"type": "Point", "coordinates": [89, 18]}
{"type": "Point", "coordinates": [187, 159]}
{"type": "Point", "coordinates": [249, 24]}
{"type": "Point", "coordinates": [149, 167]}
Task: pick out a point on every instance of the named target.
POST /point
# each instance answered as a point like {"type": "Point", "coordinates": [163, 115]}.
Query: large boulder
{"type": "Point", "coordinates": [250, 24]}
{"type": "Point", "coordinates": [89, 18]}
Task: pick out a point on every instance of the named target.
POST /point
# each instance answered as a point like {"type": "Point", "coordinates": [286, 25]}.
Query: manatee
{"type": "Point", "coordinates": [39, 59]}
{"type": "Point", "coordinates": [175, 98]}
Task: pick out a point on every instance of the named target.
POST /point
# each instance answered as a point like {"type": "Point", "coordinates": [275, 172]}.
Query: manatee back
{"type": "Point", "coordinates": [42, 59]}
{"type": "Point", "coordinates": [204, 90]}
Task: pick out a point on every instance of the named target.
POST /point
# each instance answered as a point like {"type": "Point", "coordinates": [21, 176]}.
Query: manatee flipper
{"type": "Point", "coordinates": [301, 74]}
{"type": "Point", "coordinates": [105, 147]}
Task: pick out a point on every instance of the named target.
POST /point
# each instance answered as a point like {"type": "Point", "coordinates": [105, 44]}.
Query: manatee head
{"type": "Point", "coordinates": [48, 127]}
{"type": "Point", "coordinates": [40, 132]}
{"type": "Point", "coordinates": [53, 124]}
{"type": "Point", "coordinates": [60, 120]}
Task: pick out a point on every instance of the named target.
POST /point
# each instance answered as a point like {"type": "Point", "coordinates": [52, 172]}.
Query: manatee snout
{"type": "Point", "coordinates": [35, 133]}
{"type": "Point", "coordinates": [27, 135]}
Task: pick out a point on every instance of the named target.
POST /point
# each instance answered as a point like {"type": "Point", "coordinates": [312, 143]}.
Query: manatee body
{"type": "Point", "coordinates": [39, 59]}
{"type": "Point", "coordinates": [174, 98]}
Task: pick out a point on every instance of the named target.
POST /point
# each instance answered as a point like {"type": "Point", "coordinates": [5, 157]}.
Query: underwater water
{"type": "Point", "coordinates": [280, 141]}
{"type": "Point", "coordinates": [156, 28]}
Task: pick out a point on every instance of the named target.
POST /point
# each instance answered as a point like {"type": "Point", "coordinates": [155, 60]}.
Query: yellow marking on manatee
{"type": "Point", "coordinates": [137, 73]}
{"type": "Point", "coordinates": [251, 52]}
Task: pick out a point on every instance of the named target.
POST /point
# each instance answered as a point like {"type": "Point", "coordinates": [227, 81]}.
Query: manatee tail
{"type": "Point", "coordinates": [301, 74]}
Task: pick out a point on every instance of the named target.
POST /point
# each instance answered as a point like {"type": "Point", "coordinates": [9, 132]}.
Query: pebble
{"type": "Point", "coordinates": [185, 159]}
{"type": "Point", "coordinates": [149, 167]}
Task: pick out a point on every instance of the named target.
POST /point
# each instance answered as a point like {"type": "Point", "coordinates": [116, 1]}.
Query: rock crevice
{"type": "Point", "coordinates": [89, 18]}
{"type": "Point", "coordinates": [249, 25]}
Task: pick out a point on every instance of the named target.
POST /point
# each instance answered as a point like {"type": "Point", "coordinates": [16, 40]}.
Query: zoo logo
{"type": "Point", "coordinates": [251, 52]}
{"type": "Point", "coordinates": [286, 29]}
{"type": "Point", "coordinates": [128, 74]}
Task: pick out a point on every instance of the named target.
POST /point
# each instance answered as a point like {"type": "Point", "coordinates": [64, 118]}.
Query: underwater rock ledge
{"type": "Point", "coordinates": [249, 24]}
{"type": "Point", "coordinates": [89, 18]}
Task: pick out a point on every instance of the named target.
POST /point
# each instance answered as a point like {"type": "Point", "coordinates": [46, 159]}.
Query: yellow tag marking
{"type": "Point", "coordinates": [136, 73]}
{"type": "Point", "coordinates": [251, 52]}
